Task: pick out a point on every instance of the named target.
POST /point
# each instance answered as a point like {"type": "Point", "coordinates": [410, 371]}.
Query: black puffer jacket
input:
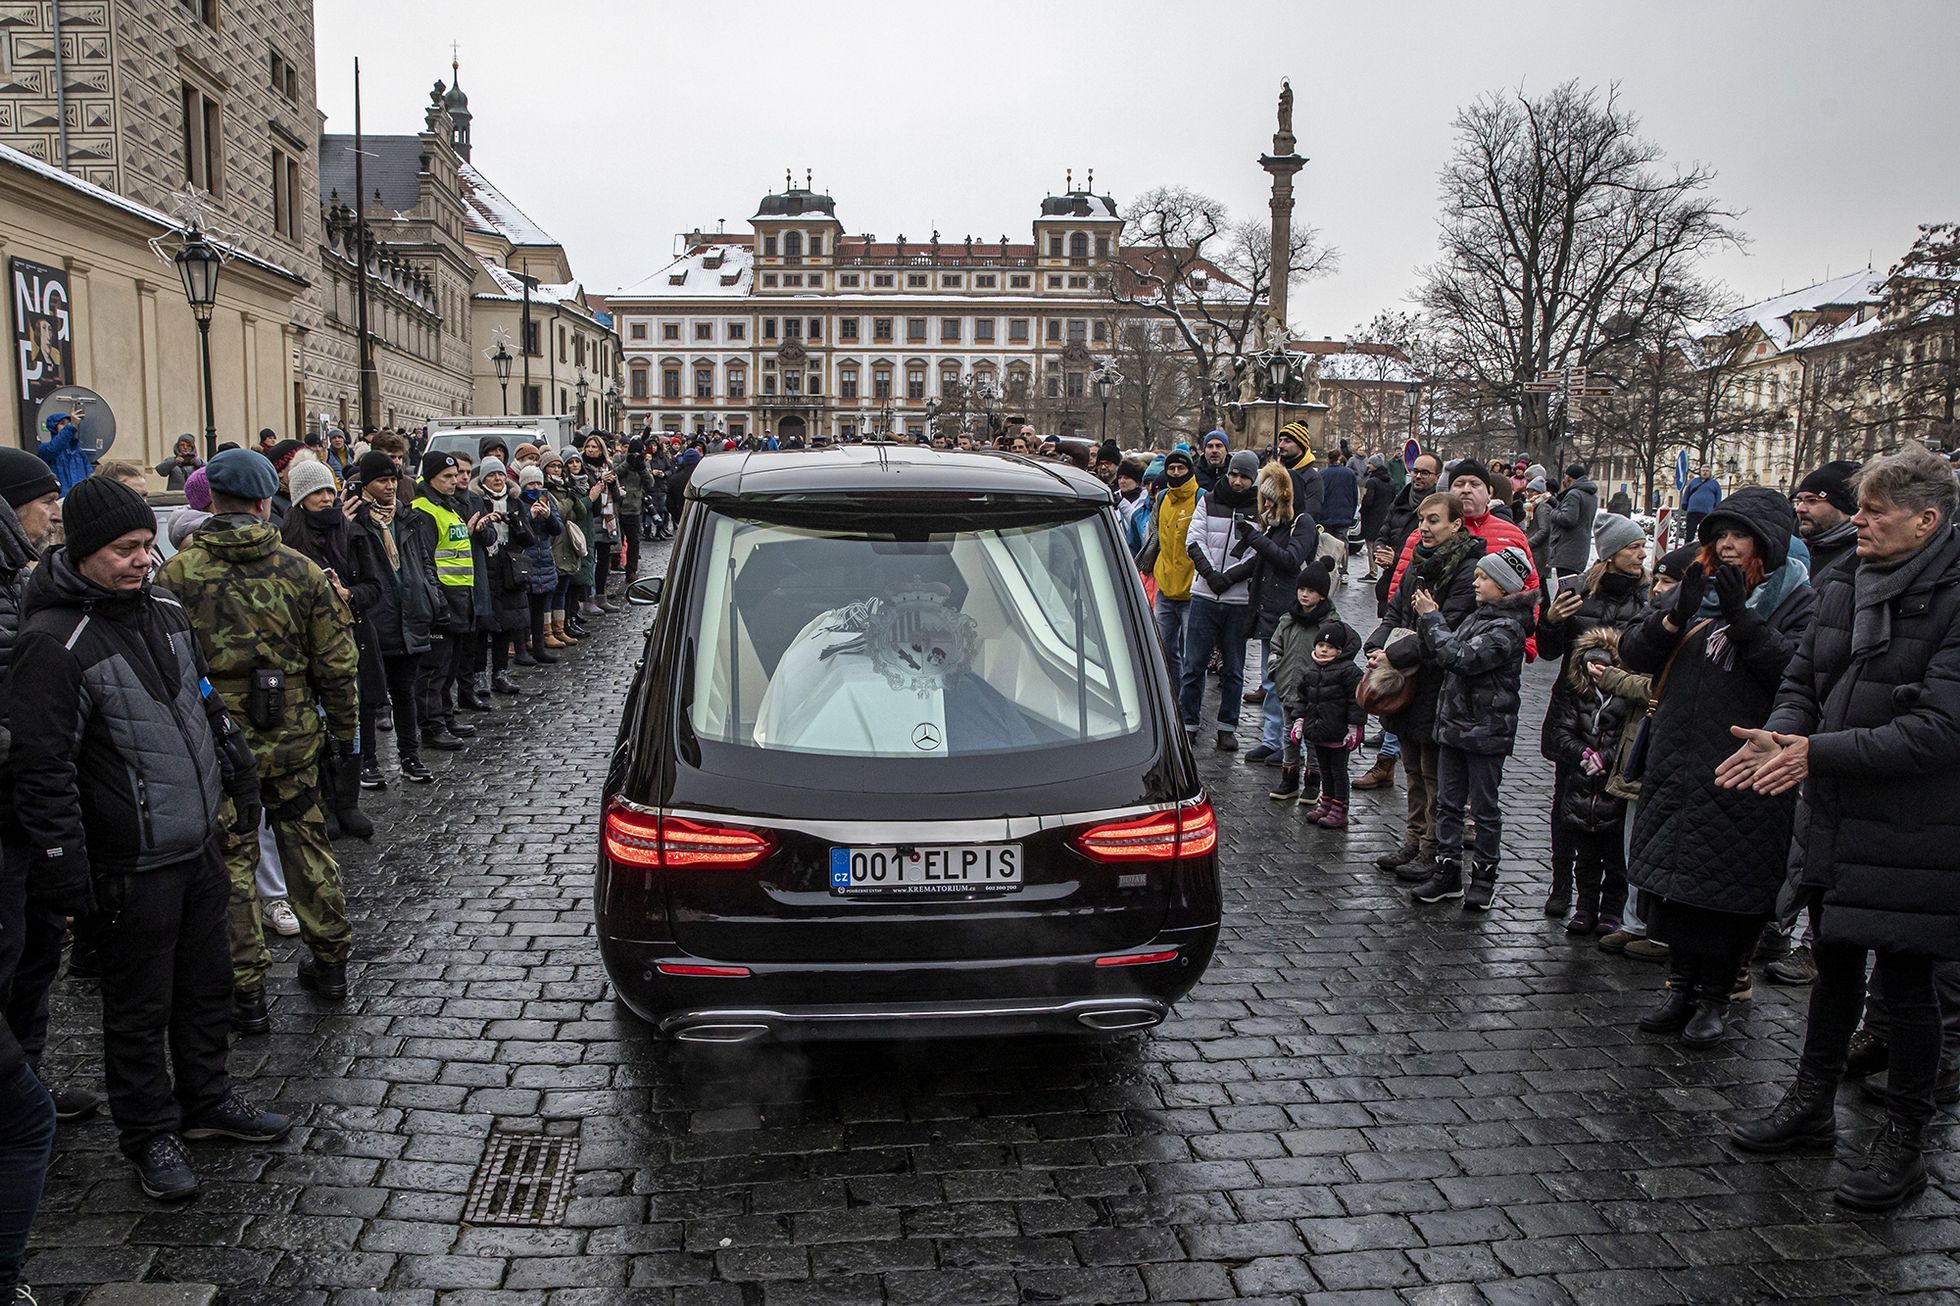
{"type": "Point", "coordinates": [1325, 693]}
{"type": "Point", "coordinates": [1582, 717]}
{"type": "Point", "coordinates": [1281, 552]}
{"type": "Point", "coordinates": [1613, 602]}
{"type": "Point", "coordinates": [118, 757]}
{"type": "Point", "coordinates": [1694, 843]}
{"type": "Point", "coordinates": [1883, 715]}
{"type": "Point", "coordinates": [1377, 496]}
{"type": "Point", "coordinates": [16, 556]}
{"type": "Point", "coordinates": [1456, 595]}
{"type": "Point", "coordinates": [405, 600]}
{"type": "Point", "coordinates": [1482, 662]}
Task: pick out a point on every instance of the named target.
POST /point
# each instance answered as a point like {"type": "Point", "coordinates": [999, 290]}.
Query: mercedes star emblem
{"type": "Point", "coordinates": [926, 736]}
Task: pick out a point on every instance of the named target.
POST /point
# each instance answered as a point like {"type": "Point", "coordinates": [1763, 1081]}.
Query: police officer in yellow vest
{"type": "Point", "coordinates": [438, 530]}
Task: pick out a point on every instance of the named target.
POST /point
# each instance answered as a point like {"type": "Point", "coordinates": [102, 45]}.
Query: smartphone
{"type": "Point", "coordinates": [1570, 584]}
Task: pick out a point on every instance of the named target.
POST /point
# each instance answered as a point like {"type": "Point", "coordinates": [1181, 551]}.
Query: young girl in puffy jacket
{"type": "Point", "coordinates": [1583, 734]}
{"type": "Point", "coordinates": [1328, 717]}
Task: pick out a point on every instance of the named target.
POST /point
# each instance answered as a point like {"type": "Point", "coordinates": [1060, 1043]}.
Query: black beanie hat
{"type": "Point", "coordinates": [375, 466]}
{"type": "Point", "coordinates": [434, 461]}
{"type": "Point", "coordinates": [1832, 484]}
{"type": "Point", "coordinates": [1675, 563]}
{"type": "Point", "coordinates": [1470, 467]}
{"type": "Point", "coordinates": [24, 477]}
{"type": "Point", "coordinates": [99, 510]}
{"type": "Point", "coordinates": [282, 452]}
{"type": "Point", "coordinates": [1316, 576]}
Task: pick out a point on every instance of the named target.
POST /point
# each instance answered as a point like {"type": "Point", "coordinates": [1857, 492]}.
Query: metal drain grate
{"type": "Point", "coordinates": [522, 1179]}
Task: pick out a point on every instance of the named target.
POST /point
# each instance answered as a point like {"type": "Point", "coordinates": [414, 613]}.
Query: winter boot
{"type": "Point", "coordinates": [1379, 776]}
{"type": "Point", "coordinates": [1676, 1009]}
{"type": "Point", "coordinates": [552, 636]}
{"type": "Point", "coordinates": [1319, 809]}
{"type": "Point", "coordinates": [437, 736]}
{"type": "Point", "coordinates": [1309, 784]}
{"type": "Point", "coordinates": [522, 657]}
{"type": "Point", "coordinates": [1559, 900]}
{"type": "Point", "coordinates": [503, 684]}
{"type": "Point", "coordinates": [1892, 1173]}
{"type": "Point", "coordinates": [342, 777]}
{"type": "Point", "coordinates": [1288, 786]}
{"type": "Point", "coordinates": [1334, 818]}
{"type": "Point", "coordinates": [1708, 1026]}
{"type": "Point", "coordinates": [1445, 881]}
{"type": "Point", "coordinates": [1483, 886]}
{"type": "Point", "coordinates": [1806, 1117]}
{"type": "Point", "coordinates": [468, 699]}
{"type": "Point", "coordinates": [1400, 857]}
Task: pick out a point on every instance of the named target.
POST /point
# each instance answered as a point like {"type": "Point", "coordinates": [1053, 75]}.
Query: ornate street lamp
{"type": "Point", "coordinates": [613, 414]}
{"type": "Point", "coordinates": [932, 416]}
{"type": "Point", "coordinates": [1107, 378]}
{"type": "Point", "coordinates": [501, 359]}
{"type": "Point", "coordinates": [581, 388]}
{"type": "Point", "coordinates": [1277, 363]}
{"type": "Point", "coordinates": [198, 263]}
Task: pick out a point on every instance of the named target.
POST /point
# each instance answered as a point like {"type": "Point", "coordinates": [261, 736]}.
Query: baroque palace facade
{"type": "Point", "coordinates": [799, 328]}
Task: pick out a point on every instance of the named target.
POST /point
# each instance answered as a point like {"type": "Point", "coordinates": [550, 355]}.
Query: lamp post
{"type": "Point", "coordinates": [198, 263]}
{"type": "Point", "coordinates": [932, 416]}
{"type": "Point", "coordinates": [1107, 378]}
{"type": "Point", "coordinates": [500, 359]}
{"type": "Point", "coordinates": [581, 388]}
{"type": "Point", "coordinates": [613, 414]}
{"type": "Point", "coordinates": [1277, 364]}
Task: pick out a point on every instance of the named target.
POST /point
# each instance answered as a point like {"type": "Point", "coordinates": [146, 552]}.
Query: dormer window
{"type": "Point", "coordinates": [677, 279]}
{"type": "Point", "coordinates": [711, 260]}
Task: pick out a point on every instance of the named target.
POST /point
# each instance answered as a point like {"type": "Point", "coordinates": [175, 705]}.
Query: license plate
{"type": "Point", "coordinates": [958, 868]}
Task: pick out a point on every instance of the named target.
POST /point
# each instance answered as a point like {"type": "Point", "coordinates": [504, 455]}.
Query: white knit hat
{"type": "Point", "coordinates": [303, 478]}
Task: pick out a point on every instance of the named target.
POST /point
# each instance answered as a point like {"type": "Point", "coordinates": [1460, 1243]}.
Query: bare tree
{"type": "Point", "coordinates": [1558, 215]}
{"type": "Point", "coordinates": [1156, 401]}
{"type": "Point", "coordinates": [1911, 366]}
{"type": "Point", "coordinates": [1187, 262]}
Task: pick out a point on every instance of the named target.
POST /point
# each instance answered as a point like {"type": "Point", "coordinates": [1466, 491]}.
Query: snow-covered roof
{"type": "Point", "coordinates": [715, 271]}
{"type": "Point", "coordinates": [1840, 333]}
{"type": "Point", "coordinates": [511, 286]}
{"type": "Point", "coordinates": [28, 163]}
{"type": "Point", "coordinates": [1772, 316]}
{"type": "Point", "coordinates": [492, 211]}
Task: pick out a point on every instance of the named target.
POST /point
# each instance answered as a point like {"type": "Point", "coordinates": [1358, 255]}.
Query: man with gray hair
{"type": "Point", "coordinates": [1868, 721]}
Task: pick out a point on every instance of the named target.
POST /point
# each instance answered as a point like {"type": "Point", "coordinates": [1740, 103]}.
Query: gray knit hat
{"type": "Point", "coordinates": [1612, 532]}
{"type": "Point", "coordinates": [1510, 567]}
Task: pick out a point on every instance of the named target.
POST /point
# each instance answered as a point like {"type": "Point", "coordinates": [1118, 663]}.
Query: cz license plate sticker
{"type": "Point", "coordinates": [926, 870]}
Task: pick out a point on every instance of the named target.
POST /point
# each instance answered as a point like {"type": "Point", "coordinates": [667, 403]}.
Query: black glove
{"type": "Point", "coordinates": [1246, 527]}
{"type": "Point", "coordinates": [1731, 590]}
{"type": "Point", "coordinates": [1688, 595]}
{"type": "Point", "coordinates": [245, 806]}
{"type": "Point", "coordinates": [59, 881]}
{"type": "Point", "coordinates": [346, 772]}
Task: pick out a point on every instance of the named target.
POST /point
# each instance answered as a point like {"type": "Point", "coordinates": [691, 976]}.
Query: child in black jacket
{"type": "Point", "coordinates": [1328, 716]}
{"type": "Point", "coordinates": [1583, 732]}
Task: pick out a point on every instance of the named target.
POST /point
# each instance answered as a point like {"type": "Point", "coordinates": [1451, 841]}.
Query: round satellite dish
{"type": "Point", "coordinates": [96, 423]}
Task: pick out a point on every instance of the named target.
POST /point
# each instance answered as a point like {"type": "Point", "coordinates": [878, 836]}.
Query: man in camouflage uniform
{"type": "Point", "coordinates": [280, 646]}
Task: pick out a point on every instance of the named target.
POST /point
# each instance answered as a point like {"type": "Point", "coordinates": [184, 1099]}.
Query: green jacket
{"type": "Point", "coordinates": [255, 603]}
{"type": "Point", "coordinates": [1291, 648]}
{"type": "Point", "coordinates": [576, 510]}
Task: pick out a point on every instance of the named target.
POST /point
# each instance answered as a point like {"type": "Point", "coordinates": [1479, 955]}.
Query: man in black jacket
{"type": "Point", "coordinates": [1824, 504]}
{"type": "Point", "coordinates": [120, 755]}
{"type": "Point", "coordinates": [1868, 722]}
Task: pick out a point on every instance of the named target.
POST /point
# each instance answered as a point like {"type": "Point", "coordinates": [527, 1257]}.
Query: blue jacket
{"type": "Point", "coordinates": [1341, 498]}
{"type": "Point", "coordinates": [544, 572]}
{"type": "Point", "coordinates": [1701, 494]}
{"type": "Point", "coordinates": [64, 457]}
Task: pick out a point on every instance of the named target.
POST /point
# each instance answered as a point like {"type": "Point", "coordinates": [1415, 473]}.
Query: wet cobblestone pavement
{"type": "Point", "coordinates": [1364, 1101]}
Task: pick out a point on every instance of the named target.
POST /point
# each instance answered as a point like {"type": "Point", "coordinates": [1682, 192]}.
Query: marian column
{"type": "Point", "coordinates": [1281, 164]}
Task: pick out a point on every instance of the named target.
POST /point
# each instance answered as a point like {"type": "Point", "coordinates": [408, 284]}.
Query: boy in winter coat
{"type": "Point", "coordinates": [1583, 735]}
{"type": "Point", "coordinates": [1328, 716]}
{"type": "Point", "coordinates": [1476, 718]}
{"type": "Point", "coordinates": [1291, 660]}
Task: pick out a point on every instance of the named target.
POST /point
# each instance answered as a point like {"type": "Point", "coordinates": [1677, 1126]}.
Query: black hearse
{"type": "Point", "coordinates": [902, 758]}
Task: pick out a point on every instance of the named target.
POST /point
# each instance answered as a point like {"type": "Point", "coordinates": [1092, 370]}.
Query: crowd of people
{"type": "Point", "coordinates": [1805, 643]}
{"type": "Point", "coordinates": [185, 738]}
{"type": "Point", "coordinates": [1751, 735]}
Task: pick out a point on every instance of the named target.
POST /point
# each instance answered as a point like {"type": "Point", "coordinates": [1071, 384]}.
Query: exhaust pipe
{"type": "Point", "coordinates": [1120, 1019]}
{"type": "Point", "coordinates": [720, 1033]}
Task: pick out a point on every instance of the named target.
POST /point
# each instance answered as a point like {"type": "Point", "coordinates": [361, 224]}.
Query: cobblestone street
{"type": "Point", "coordinates": [1363, 1101]}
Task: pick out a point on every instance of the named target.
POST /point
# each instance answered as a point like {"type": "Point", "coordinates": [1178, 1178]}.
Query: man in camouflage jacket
{"type": "Point", "coordinates": [280, 646]}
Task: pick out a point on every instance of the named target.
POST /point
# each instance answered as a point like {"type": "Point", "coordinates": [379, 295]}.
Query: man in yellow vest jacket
{"type": "Point", "coordinates": [1173, 570]}
{"type": "Point", "coordinates": [445, 519]}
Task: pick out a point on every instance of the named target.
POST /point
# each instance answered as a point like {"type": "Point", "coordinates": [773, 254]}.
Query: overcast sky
{"type": "Point", "coordinates": [617, 123]}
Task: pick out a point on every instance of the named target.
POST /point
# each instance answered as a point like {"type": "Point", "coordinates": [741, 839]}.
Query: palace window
{"type": "Point", "coordinates": [738, 384]}
{"type": "Point", "coordinates": [1017, 331]}
{"type": "Point", "coordinates": [881, 329]}
{"type": "Point", "coordinates": [1018, 281]}
{"type": "Point", "coordinates": [704, 331]}
{"type": "Point", "coordinates": [915, 329]}
{"type": "Point", "coordinates": [983, 331]}
{"type": "Point", "coordinates": [915, 280]}
{"type": "Point", "coordinates": [847, 330]}
{"type": "Point", "coordinates": [881, 383]}
{"type": "Point", "coordinates": [847, 383]}
{"type": "Point", "coordinates": [949, 330]}
{"type": "Point", "coordinates": [670, 383]}
{"type": "Point", "coordinates": [704, 383]}
{"type": "Point", "coordinates": [204, 137]}
{"type": "Point", "coordinates": [915, 383]}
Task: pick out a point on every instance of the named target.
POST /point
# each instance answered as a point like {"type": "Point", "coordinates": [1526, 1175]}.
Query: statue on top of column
{"type": "Point", "coordinates": [1283, 139]}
